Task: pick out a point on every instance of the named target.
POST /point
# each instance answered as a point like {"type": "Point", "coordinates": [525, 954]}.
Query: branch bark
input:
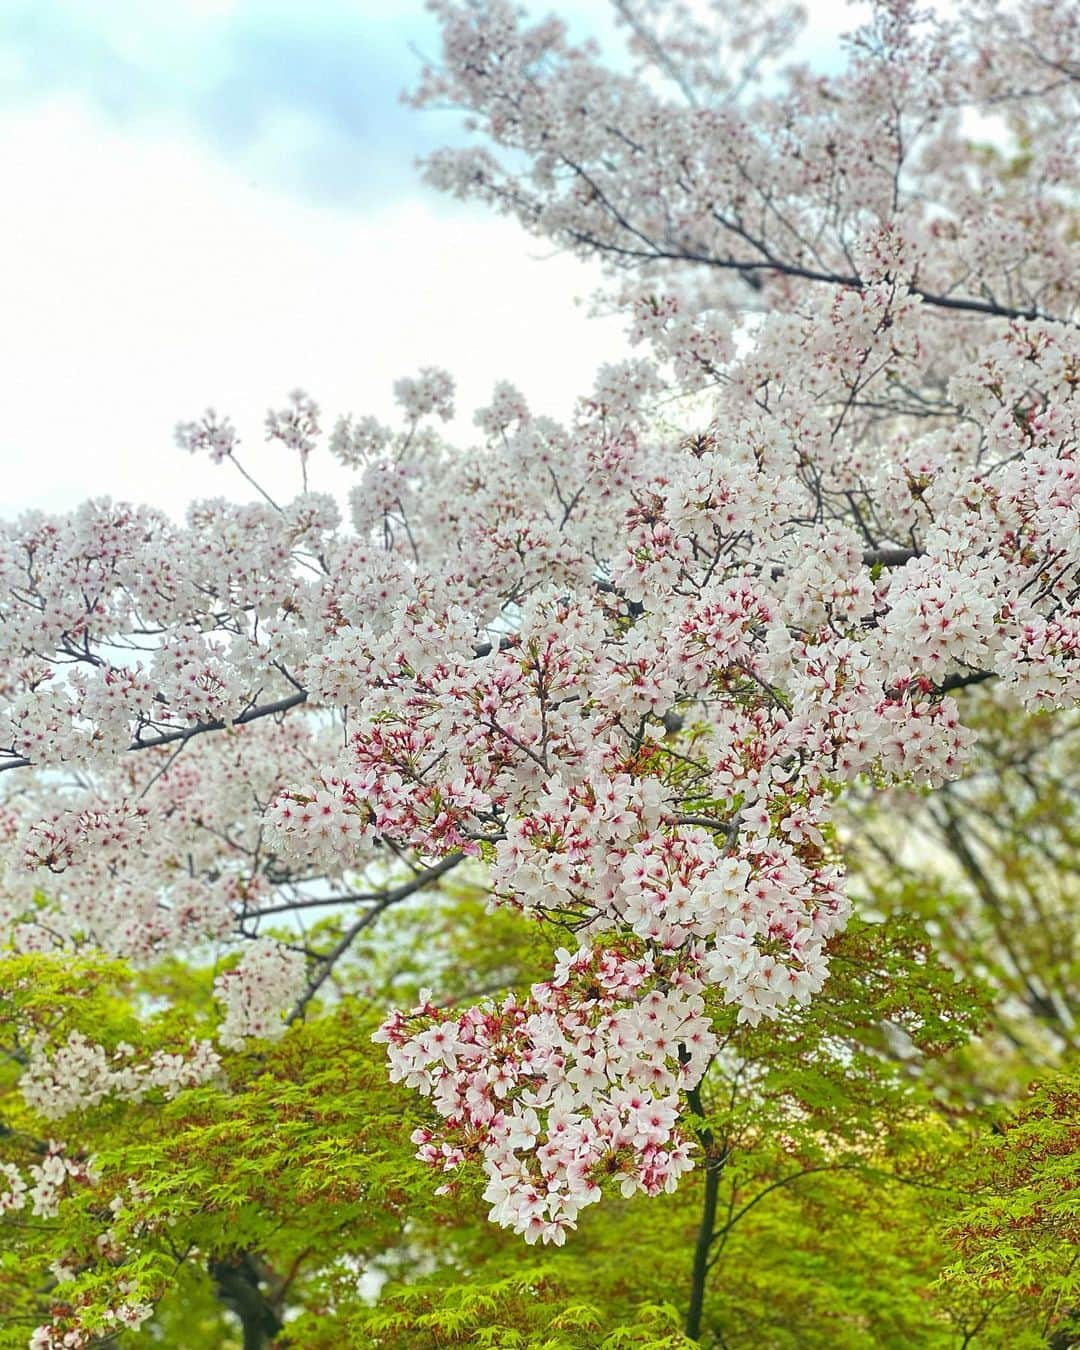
{"type": "Point", "coordinates": [390, 897]}
{"type": "Point", "coordinates": [714, 1167]}
{"type": "Point", "coordinates": [237, 1285]}
{"type": "Point", "coordinates": [197, 729]}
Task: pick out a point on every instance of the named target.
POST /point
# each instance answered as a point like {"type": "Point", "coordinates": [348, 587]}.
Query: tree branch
{"type": "Point", "coordinates": [198, 729]}
{"type": "Point", "coordinates": [237, 1284]}
{"type": "Point", "coordinates": [390, 897]}
{"type": "Point", "coordinates": [714, 1167]}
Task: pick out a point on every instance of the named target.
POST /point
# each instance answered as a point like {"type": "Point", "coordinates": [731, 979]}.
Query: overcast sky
{"type": "Point", "coordinates": [213, 202]}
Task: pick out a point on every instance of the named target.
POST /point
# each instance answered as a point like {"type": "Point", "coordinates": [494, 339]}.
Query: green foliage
{"type": "Point", "coordinates": [303, 1149]}
{"type": "Point", "coordinates": [287, 1196]}
{"type": "Point", "coordinates": [531, 1309]}
{"type": "Point", "coordinates": [1019, 1230]}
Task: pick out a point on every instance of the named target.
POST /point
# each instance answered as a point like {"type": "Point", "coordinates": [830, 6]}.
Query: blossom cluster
{"type": "Point", "coordinates": [257, 991]}
{"type": "Point", "coordinates": [572, 1088]}
{"type": "Point", "coordinates": [48, 1181]}
{"type": "Point", "coordinates": [80, 1073]}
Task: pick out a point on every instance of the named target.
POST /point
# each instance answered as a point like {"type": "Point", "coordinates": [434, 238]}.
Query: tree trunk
{"type": "Point", "coordinates": [237, 1283]}
{"type": "Point", "coordinates": [714, 1167]}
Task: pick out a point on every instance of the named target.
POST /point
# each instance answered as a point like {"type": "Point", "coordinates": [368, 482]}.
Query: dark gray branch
{"type": "Point", "coordinates": [199, 728]}
{"type": "Point", "coordinates": [390, 897]}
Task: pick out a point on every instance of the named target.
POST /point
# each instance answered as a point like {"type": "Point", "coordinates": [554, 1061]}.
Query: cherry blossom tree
{"type": "Point", "coordinates": [619, 671]}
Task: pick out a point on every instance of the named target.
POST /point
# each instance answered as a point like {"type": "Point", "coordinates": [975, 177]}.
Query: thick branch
{"type": "Point", "coordinates": [749, 270]}
{"type": "Point", "coordinates": [958, 681]}
{"type": "Point", "coordinates": [390, 897]}
{"type": "Point", "coordinates": [714, 1167]}
{"type": "Point", "coordinates": [237, 1285]}
{"type": "Point", "coordinates": [186, 733]}
{"type": "Point", "coordinates": [963, 304]}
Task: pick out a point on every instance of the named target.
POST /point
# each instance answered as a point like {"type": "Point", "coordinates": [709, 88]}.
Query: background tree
{"type": "Point", "coordinates": [272, 773]}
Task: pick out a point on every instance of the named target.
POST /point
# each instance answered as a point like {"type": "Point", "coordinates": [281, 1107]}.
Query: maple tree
{"type": "Point", "coordinates": [619, 676]}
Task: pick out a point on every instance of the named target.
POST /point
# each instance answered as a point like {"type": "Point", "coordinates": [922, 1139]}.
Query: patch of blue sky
{"type": "Point", "coordinates": [303, 99]}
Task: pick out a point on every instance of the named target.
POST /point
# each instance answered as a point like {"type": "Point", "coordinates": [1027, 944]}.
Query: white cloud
{"type": "Point", "coordinates": [146, 281]}
{"type": "Point", "coordinates": [146, 275]}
